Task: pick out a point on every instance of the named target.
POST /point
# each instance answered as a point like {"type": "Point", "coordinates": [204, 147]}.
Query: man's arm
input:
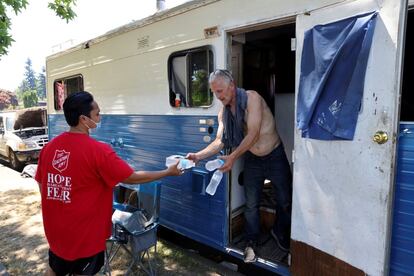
{"type": "Point", "coordinates": [148, 176]}
{"type": "Point", "coordinates": [214, 147]}
{"type": "Point", "coordinates": [254, 121]}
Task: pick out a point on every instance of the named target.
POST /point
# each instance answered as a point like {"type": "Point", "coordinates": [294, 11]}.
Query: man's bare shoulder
{"type": "Point", "coordinates": [253, 97]}
{"type": "Point", "coordinates": [252, 92]}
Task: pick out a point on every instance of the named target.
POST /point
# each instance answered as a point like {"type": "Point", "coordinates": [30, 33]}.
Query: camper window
{"type": "Point", "coordinates": [64, 87]}
{"type": "Point", "coordinates": [188, 73]}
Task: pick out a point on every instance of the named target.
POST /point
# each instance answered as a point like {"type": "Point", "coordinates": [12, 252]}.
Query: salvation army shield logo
{"type": "Point", "coordinates": [60, 160]}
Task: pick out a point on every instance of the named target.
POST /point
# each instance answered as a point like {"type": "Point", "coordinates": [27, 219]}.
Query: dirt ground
{"type": "Point", "coordinates": [23, 249]}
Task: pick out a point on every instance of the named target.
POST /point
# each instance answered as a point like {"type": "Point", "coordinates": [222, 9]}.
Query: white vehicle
{"type": "Point", "coordinates": [23, 134]}
{"type": "Point", "coordinates": [353, 201]}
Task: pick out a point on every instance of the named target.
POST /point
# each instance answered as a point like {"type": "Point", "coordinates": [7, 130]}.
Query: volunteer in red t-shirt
{"type": "Point", "coordinates": [76, 175]}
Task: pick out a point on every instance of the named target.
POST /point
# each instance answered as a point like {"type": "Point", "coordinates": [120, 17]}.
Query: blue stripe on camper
{"type": "Point", "coordinates": [147, 140]}
{"type": "Point", "coordinates": [402, 243]}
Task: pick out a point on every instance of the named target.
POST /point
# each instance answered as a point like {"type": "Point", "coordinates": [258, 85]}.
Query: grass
{"type": "Point", "coordinates": [24, 250]}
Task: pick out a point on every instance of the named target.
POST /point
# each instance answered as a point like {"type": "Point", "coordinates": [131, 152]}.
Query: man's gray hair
{"type": "Point", "coordinates": [220, 73]}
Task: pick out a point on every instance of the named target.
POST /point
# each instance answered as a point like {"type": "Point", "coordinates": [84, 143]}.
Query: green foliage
{"type": "Point", "coordinates": [29, 75]}
{"type": "Point", "coordinates": [7, 99]}
{"type": "Point", "coordinates": [5, 38]}
{"type": "Point", "coordinates": [20, 90]}
{"type": "Point", "coordinates": [32, 83]}
{"type": "Point", "coordinates": [41, 84]}
{"type": "Point", "coordinates": [200, 94]}
{"type": "Point", "coordinates": [30, 98]}
{"type": "Point", "coordinates": [62, 8]}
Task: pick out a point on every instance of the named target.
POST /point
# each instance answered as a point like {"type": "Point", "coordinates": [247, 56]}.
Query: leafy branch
{"type": "Point", "coordinates": [62, 8]}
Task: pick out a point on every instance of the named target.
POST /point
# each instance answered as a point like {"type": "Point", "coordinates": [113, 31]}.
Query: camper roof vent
{"type": "Point", "coordinates": [160, 5]}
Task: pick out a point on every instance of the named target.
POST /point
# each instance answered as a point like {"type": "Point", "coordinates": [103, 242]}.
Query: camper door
{"type": "Point", "coordinates": [342, 193]}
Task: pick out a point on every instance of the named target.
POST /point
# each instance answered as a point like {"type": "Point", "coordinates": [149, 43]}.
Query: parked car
{"type": "Point", "coordinates": [23, 134]}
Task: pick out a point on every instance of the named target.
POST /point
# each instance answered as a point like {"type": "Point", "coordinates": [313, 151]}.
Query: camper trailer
{"type": "Point", "coordinates": [353, 199]}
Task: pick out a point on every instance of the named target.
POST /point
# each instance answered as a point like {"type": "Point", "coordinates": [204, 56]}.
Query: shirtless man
{"type": "Point", "coordinates": [247, 126]}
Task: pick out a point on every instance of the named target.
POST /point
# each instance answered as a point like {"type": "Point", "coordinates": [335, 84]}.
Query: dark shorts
{"type": "Point", "coordinates": [84, 266]}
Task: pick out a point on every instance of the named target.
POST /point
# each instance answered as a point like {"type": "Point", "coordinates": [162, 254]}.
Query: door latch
{"type": "Point", "coordinates": [380, 137]}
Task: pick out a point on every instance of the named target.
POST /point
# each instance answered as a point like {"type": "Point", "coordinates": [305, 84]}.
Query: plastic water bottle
{"type": "Point", "coordinates": [214, 182]}
{"type": "Point", "coordinates": [214, 164]}
{"type": "Point", "coordinates": [184, 163]}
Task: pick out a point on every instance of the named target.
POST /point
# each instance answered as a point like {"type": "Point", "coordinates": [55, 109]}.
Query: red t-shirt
{"type": "Point", "coordinates": [77, 174]}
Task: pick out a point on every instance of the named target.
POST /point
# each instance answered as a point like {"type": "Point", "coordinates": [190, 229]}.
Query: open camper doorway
{"type": "Point", "coordinates": [402, 251]}
{"type": "Point", "coordinates": [407, 97]}
{"type": "Point", "coordinates": [264, 60]}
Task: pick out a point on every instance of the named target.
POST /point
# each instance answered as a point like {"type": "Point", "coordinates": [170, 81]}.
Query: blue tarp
{"type": "Point", "coordinates": [334, 61]}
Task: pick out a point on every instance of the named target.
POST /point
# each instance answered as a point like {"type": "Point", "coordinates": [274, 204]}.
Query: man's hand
{"type": "Point", "coordinates": [192, 156]}
{"type": "Point", "coordinates": [173, 170]}
{"type": "Point", "coordinates": [228, 163]}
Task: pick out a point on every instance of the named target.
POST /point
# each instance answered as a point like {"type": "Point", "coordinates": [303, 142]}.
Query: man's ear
{"type": "Point", "coordinates": [82, 118]}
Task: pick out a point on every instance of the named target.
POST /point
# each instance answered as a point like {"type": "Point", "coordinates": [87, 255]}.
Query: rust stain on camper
{"type": "Point", "coordinates": [211, 32]}
{"type": "Point", "coordinates": [308, 260]}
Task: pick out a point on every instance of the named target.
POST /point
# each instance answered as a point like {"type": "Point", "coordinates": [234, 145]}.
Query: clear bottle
{"type": "Point", "coordinates": [214, 164]}
{"type": "Point", "coordinates": [214, 182]}
{"type": "Point", "coordinates": [186, 164]}
{"type": "Point", "coordinates": [171, 160]}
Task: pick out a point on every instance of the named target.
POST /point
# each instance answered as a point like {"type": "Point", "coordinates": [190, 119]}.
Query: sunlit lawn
{"type": "Point", "coordinates": [23, 249]}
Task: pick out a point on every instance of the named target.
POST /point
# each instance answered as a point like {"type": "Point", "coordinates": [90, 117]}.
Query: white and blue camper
{"type": "Point", "coordinates": [353, 198]}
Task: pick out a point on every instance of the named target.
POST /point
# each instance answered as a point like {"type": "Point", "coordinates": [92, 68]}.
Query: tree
{"type": "Point", "coordinates": [30, 98]}
{"type": "Point", "coordinates": [62, 8]}
{"type": "Point", "coordinates": [29, 75]}
{"type": "Point", "coordinates": [41, 84]}
{"type": "Point", "coordinates": [7, 99]}
{"type": "Point", "coordinates": [199, 87]}
{"type": "Point", "coordinates": [21, 89]}
{"type": "Point", "coordinates": [31, 82]}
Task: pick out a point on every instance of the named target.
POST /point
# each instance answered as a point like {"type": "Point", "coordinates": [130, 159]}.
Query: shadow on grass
{"type": "Point", "coordinates": [170, 260]}
{"type": "Point", "coordinates": [23, 249]}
